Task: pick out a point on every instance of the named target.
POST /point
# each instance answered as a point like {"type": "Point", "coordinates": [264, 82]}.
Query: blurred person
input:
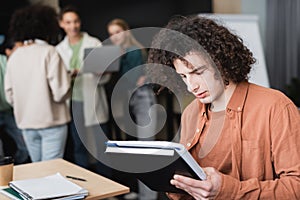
{"type": "Point", "coordinates": [245, 136]}
{"type": "Point", "coordinates": [37, 84]}
{"type": "Point", "coordinates": [134, 55]}
{"type": "Point", "coordinates": [86, 117]}
{"type": "Point", "coordinates": [7, 119]}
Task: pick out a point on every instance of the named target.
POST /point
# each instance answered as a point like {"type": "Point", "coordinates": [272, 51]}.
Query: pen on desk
{"type": "Point", "coordinates": [75, 178]}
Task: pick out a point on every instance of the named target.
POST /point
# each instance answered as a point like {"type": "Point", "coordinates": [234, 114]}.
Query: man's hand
{"type": "Point", "coordinates": [200, 190]}
{"type": "Point", "coordinates": [74, 73]}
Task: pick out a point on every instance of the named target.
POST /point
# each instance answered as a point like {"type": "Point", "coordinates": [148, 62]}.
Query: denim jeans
{"type": "Point", "coordinates": [84, 140]}
{"type": "Point", "coordinates": [8, 124]}
{"type": "Point", "coordinates": [140, 105]}
{"type": "Point", "coordinates": [80, 153]}
{"type": "Point", "coordinates": [46, 143]}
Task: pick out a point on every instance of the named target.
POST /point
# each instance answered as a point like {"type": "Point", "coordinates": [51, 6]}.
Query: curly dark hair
{"type": "Point", "coordinates": [34, 22]}
{"type": "Point", "coordinates": [183, 35]}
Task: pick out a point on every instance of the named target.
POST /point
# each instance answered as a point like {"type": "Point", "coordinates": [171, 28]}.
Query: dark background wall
{"type": "Point", "coordinates": [138, 13]}
{"type": "Point", "coordinates": [6, 9]}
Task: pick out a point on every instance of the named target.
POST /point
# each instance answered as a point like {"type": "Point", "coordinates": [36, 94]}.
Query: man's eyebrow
{"type": "Point", "coordinates": [197, 68]}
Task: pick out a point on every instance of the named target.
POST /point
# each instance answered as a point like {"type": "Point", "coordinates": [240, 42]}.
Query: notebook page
{"type": "Point", "coordinates": [48, 187]}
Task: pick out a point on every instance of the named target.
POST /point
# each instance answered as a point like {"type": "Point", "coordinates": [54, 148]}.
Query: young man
{"type": "Point", "coordinates": [89, 104]}
{"type": "Point", "coordinates": [244, 135]}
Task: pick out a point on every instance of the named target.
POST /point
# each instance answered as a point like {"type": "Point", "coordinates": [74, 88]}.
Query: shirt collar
{"type": "Point", "coordinates": [237, 100]}
{"type": "Point", "coordinates": [38, 41]}
{"type": "Point", "coordinates": [202, 108]}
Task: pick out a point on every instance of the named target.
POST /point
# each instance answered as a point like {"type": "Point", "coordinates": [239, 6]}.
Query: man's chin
{"type": "Point", "coordinates": [74, 33]}
{"type": "Point", "coordinates": [204, 100]}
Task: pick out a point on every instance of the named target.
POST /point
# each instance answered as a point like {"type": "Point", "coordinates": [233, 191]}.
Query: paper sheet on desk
{"type": "Point", "coordinates": [49, 187]}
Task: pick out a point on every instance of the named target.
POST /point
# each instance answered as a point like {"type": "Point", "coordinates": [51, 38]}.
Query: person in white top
{"type": "Point", "coordinates": [89, 103]}
{"type": "Point", "coordinates": [37, 84]}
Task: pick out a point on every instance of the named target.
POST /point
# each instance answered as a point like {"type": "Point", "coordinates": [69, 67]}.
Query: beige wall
{"type": "Point", "coordinates": [227, 6]}
{"type": "Point", "coordinates": [253, 7]}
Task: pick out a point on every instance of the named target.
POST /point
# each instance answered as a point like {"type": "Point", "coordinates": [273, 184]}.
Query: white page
{"type": "Point", "coordinates": [48, 187]}
{"type": "Point", "coordinates": [192, 163]}
{"type": "Point", "coordinates": [155, 148]}
{"type": "Point", "coordinates": [134, 150]}
{"type": "Point", "coordinates": [149, 144]}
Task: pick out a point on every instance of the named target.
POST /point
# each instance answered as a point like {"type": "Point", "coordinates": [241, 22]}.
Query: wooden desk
{"type": "Point", "coordinates": [98, 186]}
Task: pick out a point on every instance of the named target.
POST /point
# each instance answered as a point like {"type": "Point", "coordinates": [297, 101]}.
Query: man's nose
{"type": "Point", "coordinates": [193, 86]}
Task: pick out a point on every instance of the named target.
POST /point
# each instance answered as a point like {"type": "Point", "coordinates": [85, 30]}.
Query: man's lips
{"type": "Point", "coordinates": [201, 95]}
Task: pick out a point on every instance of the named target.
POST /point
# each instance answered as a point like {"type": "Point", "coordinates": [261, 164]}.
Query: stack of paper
{"type": "Point", "coordinates": [49, 187]}
{"type": "Point", "coordinates": [11, 193]}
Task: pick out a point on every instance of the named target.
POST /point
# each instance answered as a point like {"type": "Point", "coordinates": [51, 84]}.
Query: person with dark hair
{"type": "Point", "coordinates": [89, 106]}
{"type": "Point", "coordinates": [142, 98]}
{"type": "Point", "coordinates": [31, 22]}
{"type": "Point", "coordinates": [37, 84]}
{"type": "Point", "coordinates": [7, 119]}
{"type": "Point", "coordinates": [245, 136]}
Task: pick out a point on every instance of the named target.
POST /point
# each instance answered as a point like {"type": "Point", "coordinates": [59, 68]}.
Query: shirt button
{"type": "Point", "coordinates": [239, 108]}
{"type": "Point", "coordinates": [198, 130]}
{"type": "Point", "coordinates": [188, 144]}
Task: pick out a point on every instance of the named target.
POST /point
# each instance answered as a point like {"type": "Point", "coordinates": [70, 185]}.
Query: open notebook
{"type": "Point", "coordinates": [50, 187]}
{"type": "Point", "coordinates": [155, 162]}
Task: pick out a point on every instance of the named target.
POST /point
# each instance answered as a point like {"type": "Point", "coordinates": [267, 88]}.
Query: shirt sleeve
{"type": "Point", "coordinates": [8, 90]}
{"type": "Point", "coordinates": [104, 79]}
{"type": "Point", "coordinates": [285, 136]}
{"type": "Point", "coordinates": [58, 78]}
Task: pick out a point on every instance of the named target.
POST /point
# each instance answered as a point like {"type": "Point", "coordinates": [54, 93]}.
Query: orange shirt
{"type": "Point", "coordinates": [212, 146]}
{"type": "Point", "coordinates": [260, 135]}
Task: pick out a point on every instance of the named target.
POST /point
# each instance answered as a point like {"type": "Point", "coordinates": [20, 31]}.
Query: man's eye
{"type": "Point", "coordinates": [183, 76]}
{"type": "Point", "coordinates": [199, 72]}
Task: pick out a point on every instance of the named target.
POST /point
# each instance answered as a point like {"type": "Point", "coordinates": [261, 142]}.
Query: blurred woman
{"type": "Point", "coordinates": [142, 98]}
